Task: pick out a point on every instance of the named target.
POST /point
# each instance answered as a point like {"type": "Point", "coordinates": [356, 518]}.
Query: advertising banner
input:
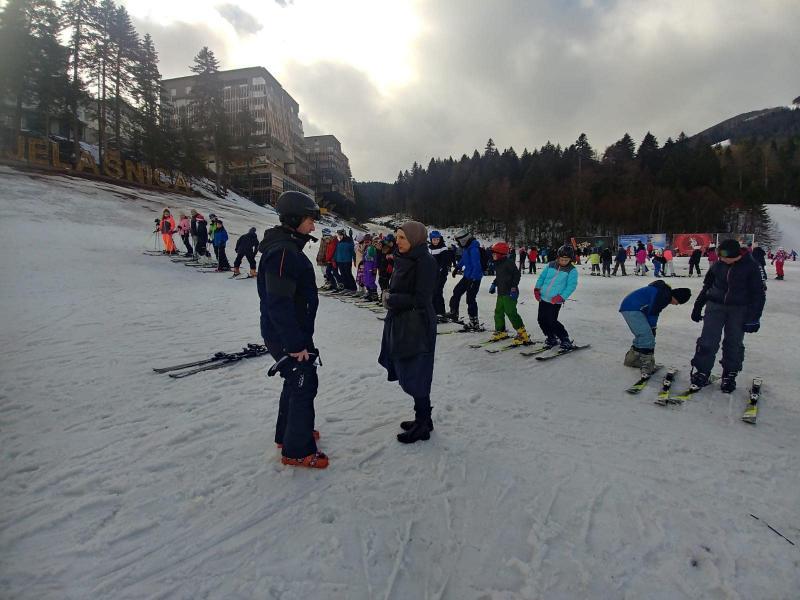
{"type": "Point", "coordinates": [582, 243]}
{"type": "Point", "coordinates": [659, 240]}
{"type": "Point", "coordinates": [685, 243]}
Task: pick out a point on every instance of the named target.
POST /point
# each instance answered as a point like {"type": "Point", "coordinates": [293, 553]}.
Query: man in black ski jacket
{"type": "Point", "coordinates": [445, 260]}
{"type": "Point", "coordinates": [733, 296]}
{"type": "Point", "coordinates": [246, 245]}
{"type": "Point", "coordinates": [287, 289]}
{"type": "Point", "coordinates": [694, 261]}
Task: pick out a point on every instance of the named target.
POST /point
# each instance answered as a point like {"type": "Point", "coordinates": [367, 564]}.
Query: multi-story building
{"type": "Point", "coordinates": [278, 163]}
{"type": "Point", "coordinates": [330, 172]}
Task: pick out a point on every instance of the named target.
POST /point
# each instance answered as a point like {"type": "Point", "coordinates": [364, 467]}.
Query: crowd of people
{"type": "Point", "coordinates": [406, 272]}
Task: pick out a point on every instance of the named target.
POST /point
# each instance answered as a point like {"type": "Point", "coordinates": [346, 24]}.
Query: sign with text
{"type": "Point", "coordinates": [659, 240]}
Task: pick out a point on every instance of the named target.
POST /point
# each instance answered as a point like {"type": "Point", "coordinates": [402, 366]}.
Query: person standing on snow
{"type": "Point", "coordinates": [470, 284]}
{"type": "Point", "coordinates": [555, 284]}
{"type": "Point", "coordinates": [594, 260]}
{"type": "Point", "coordinates": [622, 256]}
{"type": "Point", "coordinates": [641, 261]}
{"type": "Point", "coordinates": [778, 260]}
{"type": "Point", "coordinates": [184, 229]}
{"type": "Point", "coordinates": [606, 257]}
{"type": "Point", "coordinates": [641, 309]}
{"type": "Point", "coordinates": [322, 261]}
{"type": "Point", "coordinates": [694, 261]}
{"type": "Point", "coordinates": [533, 258]}
{"type": "Point", "coordinates": [386, 261]}
{"type": "Point", "coordinates": [344, 256]}
{"type": "Point", "coordinates": [760, 257]}
{"type": "Point", "coordinates": [167, 227]}
{"type": "Point", "coordinates": [220, 241]}
{"type": "Point", "coordinates": [408, 344]}
{"type": "Point", "coordinates": [369, 261]}
{"type": "Point", "coordinates": [287, 290]}
{"type": "Point", "coordinates": [523, 254]}
{"type": "Point", "coordinates": [444, 260]}
{"type": "Point", "coordinates": [711, 255]}
{"type": "Point", "coordinates": [506, 283]}
{"type": "Point", "coordinates": [246, 246]}
{"type": "Point", "coordinates": [733, 296]}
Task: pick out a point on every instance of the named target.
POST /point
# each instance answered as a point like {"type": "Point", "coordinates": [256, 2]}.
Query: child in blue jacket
{"type": "Point", "coordinates": [555, 284]}
{"type": "Point", "coordinates": [470, 265]}
{"type": "Point", "coordinates": [641, 309]}
{"type": "Point", "coordinates": [220, 240]}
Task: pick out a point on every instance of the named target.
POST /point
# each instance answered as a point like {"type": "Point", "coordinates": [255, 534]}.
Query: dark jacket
{"type": "Point", "coordinates": [287, 289]}
{"type": "Point", "coordinates": [444, 257]}
{"type": "Point", "coordinates": [760, 256]}
{"type": "Point", "coordinates": [622, 255]}
{"type": "Point", "coordinates": [694, 258]}
{"type": "Point", "coordinates": [650, 300]}
{"type": "Point", "coordinates": [247, 243]}
{"type": "Point", "coordinates": [201, 229]}
{"type": "Point", "coordinates": [506, 276]}
{"type": "Point", "coordinates": [739, 284]}
{"type": "Point", "coordinates": [606, 256]}
{"type": "Point", "coordinates": [410, 325]}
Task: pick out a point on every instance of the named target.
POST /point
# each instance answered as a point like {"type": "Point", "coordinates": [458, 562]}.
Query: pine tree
{"type": "Point", "coordinates": [148, 92]}
{"type": "Point", "coordinates": [79, 17]}
{"type": "Point", "coordinates": [208, 107]}
{"type": "Point", "coordinates": [123, 67]}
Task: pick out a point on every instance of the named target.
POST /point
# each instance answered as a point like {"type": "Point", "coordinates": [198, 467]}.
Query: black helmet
{"type": "Point", "coordinates": [566, 251]}
{"type": "Point", "coordinates": [293, 207]}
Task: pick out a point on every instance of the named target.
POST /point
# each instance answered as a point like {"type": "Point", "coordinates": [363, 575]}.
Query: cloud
{"type": "Point", "coordinates": [527, 72]}
{"type": "Point", "coordinates": [243, 22]}
{"type": "Point", "coordinates": [178, 43]}
{"type": "Point", "coordinates": [284, 3]}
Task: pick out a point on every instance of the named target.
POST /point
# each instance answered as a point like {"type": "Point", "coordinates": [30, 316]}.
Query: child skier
{"type": "Point", "coordinates": [369, 264]}
{"type": "Point", "coordinates": [694, 261]}
{"type": "Point", "coordinates": [594, 259]}
{"type": "Point", "coordinates": [641, 309]}
{"type": "Point", "coordinates": [470, 284]}
{"type": "Point", "coordinates": [444, 260]}
{"type": "Point", "coordinates": [167, 228]}
{"type": "Point", "coordinates": [246, 246]}
{"type": "Point", "coordinates": [778, 260]}
{"type": "Point", "coordinates": [555, 284]}
{"type": "Point", "coordinates": [220, 239]}
{"type": "Point", "coordinates": [184, 229]}
{"type": "Point", "coordinates": [733, 296]}
{"type": "Point", "coordinates": [386, 261]}
{"type": "Point", "coordinates": [507, 277]}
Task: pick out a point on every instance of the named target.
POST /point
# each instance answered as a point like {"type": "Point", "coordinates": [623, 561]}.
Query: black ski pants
{"type": "Point", "coordinates": [438, 293]}
{"type": "Point", "coordinates": [251, 259]}
{"type": "Point", "coordinates": [692, 267]}
{"type": "Point", "coordinates": [187, 243]}
{"type": "Point", "coordinates": [345, 276]}
{"type": "Point", "coordinates": [549, 323]}
{"type": "Point", "coordinates": [619, 264]}
{"type": "Point", "coordinates": [531, 267]}
{"type": "Point", "coordinates": [222, 258]}
{"type": "Point", "coordinates": [295, 425]}
{"type": "Point", "coordinates": [607, 268]}
{"type": "Point", "coordinates": [469, 287]}
{"type": "Point", "coordinates": [721, 318]}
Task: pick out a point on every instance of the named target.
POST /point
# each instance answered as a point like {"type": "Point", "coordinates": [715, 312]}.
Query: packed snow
{"type": "Point", "coordinates": [786, 219]}
{"type": "Point", "coordinates": [541, 480]}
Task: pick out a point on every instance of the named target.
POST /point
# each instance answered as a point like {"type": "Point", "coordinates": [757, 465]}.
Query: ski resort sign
{"type": "Point", "coordinates": [45, 153]}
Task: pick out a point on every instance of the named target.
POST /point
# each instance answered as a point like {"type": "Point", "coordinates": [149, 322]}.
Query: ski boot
{"type": "Point", "coordinates": [698, 380]}
{"type": "Point", "coordinates": [318, 460]}
{"type": "Point", "coordinates": [522, 338]}
{"type": "Point", "coordinates": [473, 325]}
{"type": "Point", "coordinates": [253, 273]}
{"type": "Point", "coordinates": [728, 382]}
{"type": "Point", "coordinates": [452, 317]}
{"type": "Point", "coordinates": [633, 357]}
{"type": "Point", "coordinates": [551, 342]}
{"type": "Point", "coordinates": [647, 363]}
{"type": "Point", "coordinates": [235, 271]}
{"type": "Point", "coordinates": [499, 335]}
{"type": "Point", "coordinates": [567, 344]}
{"type": "Point", "coordinates": [442, 319]}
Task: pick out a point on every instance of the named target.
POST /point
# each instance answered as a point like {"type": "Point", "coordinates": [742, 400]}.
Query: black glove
{"type": "Point", "coordinates": [455, 272]}
{"type": "Point", "coordinates": [751, 327]}
{"type": "Point", "coordinates": [697, 313]}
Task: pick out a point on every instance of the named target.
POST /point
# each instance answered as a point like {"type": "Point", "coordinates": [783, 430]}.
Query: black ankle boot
{"type": "Point", "coordinates": [728, 383]}
{"type": "Point", "coordinates": [407, 425]}
{"type": "Point", "coordinates": [420, 430]}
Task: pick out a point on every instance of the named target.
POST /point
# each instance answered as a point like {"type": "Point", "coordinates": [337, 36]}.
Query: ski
{"type": "Point", "coordinates": [689, 392]}
{"type": "Point", "coordinates": [510, 347]}
{"type": "Point", "coordinates": [230, 359]}
{"type": "Point", "coordinates": [563, 352]}
{"type": "Point", "coordinates": [666, 385]}
{"type": "Point", "coordinates": [536, 351]}
{"type": "Point", "coordinates": [217, 356]}
{"type": "Point", "coordinates": [487, 343]}
{"type": "Point", "coordinates": [751, 412]}
{"type": "Point", "coordinates": [643, 380]}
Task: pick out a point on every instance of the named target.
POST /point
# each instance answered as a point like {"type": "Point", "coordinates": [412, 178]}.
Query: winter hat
{"type": "Point", "coordinates": [367, 237]}
{"type": "Point", "coordinates": [682, 295]}
{"type": "Point", "coordinates": [388, 239]}
{"type": "Point", "coordinates": [416, 232]}
{"type": "Point", "coordinates": [193, 212]}
{"type": "Point", "coordinates": [500, 248]}
{"type": "Point", "coordinates": [434, 234]}
{"type": "Point", "coordinates": [341, 231]}
{"type": "Point", "coordinates": [252, 230]}
{"type": "Point", "coordinates": [729, 249]}
{"type": "Point", "coordinates": [360, 238]}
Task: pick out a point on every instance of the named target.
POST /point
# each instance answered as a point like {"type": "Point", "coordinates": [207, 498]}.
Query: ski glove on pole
{"type": "Point", "coordinates": [493, 287]}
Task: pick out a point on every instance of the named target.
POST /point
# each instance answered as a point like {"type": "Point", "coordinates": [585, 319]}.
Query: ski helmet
{"type": "Point", "coordinates": [293, 207]}
{"type": "Point", "coordinates": [463, 237]}
{"type": "Point", "coordinates": [500, 248]}
{"type": "Point", "coordinates": [388, 239]}
{"type": "Point", "coordinates": [434, 234]}
{"type": "Point", "coordinates": [566, 251]}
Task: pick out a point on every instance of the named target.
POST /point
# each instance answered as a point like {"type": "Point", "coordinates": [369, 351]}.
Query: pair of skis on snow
{"type": "Point", "coordinates": [217, 361]}
{"type": "Point", "coordinates": [666, 397]}
{"type": "Point", "coordinates": [527, 350]}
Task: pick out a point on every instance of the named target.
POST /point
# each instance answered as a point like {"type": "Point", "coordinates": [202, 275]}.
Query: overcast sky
{"type": "Point", "coordinates": [398, 81]}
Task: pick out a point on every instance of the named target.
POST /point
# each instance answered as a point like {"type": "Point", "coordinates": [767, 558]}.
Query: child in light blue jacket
{"type": "Point", "coordinates": [555, 284]}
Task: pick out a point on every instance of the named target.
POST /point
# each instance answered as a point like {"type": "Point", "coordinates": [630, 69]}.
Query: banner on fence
{"type": "Point", "coordinates": [685, 243]}
{"type": "Point", "coordinates": [742, 238]}
{"type": "Point", "coordinates": [600, 242]}
{"type": "Point", "coordinates": [659, 240]}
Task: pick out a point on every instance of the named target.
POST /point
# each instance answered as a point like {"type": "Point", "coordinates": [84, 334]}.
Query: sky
{"type": "Point", "coordinates": [402, 81]}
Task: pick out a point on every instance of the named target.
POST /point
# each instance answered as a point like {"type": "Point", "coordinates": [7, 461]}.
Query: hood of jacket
{"type": "Point", "coordinates": [280, 234]}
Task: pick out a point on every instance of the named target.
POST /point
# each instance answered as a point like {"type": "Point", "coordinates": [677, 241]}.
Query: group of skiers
{"type": "Point", "coordinates": [196, 233]}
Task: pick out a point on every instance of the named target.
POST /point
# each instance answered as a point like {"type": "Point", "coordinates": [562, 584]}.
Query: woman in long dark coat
{"type": "Point", "coordinates": [409, 331]}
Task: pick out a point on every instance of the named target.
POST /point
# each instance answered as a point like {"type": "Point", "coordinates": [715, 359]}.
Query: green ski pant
{"type": "Point", "coordinates": [506, 307]}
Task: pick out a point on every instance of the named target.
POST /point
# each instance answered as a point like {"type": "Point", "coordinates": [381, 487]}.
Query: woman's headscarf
{"type": "Point", "coordinates": [416, 233]}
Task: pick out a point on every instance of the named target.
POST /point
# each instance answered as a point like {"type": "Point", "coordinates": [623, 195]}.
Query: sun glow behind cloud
{"type": "Point", "coordinates": [373, 36]}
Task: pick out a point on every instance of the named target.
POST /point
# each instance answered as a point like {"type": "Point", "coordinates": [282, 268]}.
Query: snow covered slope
{"type": "Point", "coordinates": [787, 220]}
{"type": "Point", "coordinates": [542, 480]}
